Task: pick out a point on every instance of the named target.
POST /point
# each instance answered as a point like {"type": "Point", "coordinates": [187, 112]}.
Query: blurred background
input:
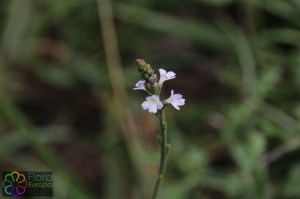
{"type": "Point", "coordinates": [67, 104]}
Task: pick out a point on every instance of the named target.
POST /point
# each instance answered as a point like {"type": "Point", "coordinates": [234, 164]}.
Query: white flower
{"type": "Point", "coordinates": [176, 100]}
{"type": "Point", "coordinates": [140, 85]}
{"type": "Point", "coordinates": [164, 75]}
{"type": "Point", "coordinates": [152, 103]}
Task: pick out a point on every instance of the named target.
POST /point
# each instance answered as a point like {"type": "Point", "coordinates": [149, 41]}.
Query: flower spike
{"type": "Point", "coordinates": [147, 73]}
{"type": "Point", "coordinates": [153, 104]}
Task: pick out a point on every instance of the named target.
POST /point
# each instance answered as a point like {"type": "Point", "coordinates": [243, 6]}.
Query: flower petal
{"type": "Point", "coordinates": [181, 102]}
{"type": "Point", "coordinates": [162, 71]}
{"type": "Point", "coordinates": [149, 98]}
{"type": "Point", "coordinates": [160, 105]}
{"type": "Point", "coordinates": [175, 106]}
{"type": "Point", "coordinates": [152, 109]}
{"type": "Point", "coordinates": [140, 85]}
{"type": "Point", "coordinates": [145, 105]}
{"type": "Point", "coordinates": [164, 75]}
{"type": "Point", "coordinates": [177, 96]}
{"type": "Point", "coordinates": [171, 75]}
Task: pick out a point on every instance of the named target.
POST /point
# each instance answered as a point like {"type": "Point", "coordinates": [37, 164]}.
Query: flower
{"type": "Point", "coordinates": [152, 103]}
{"type": "Point", "coordinates": [164, 75]}
{"type": "Point", "coordinates": [176, 100]}
{"type": "Point", "coordinates": [140, 85]}
{"type": "Point", "coordinates": [14, 184]}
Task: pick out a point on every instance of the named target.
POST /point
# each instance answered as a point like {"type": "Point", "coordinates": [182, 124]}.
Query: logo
{"type": "Point", "coordinates": [14, 184]}
{"type": "Point", "coordinates": [22, 184]}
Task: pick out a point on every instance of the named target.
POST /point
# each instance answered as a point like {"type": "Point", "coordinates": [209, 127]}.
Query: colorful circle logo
{"type": "Point", "coordinates": [15, 184]}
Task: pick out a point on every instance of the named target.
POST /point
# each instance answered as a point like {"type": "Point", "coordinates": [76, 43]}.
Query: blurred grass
{"type": "Point", "coordinates": [67, 105]}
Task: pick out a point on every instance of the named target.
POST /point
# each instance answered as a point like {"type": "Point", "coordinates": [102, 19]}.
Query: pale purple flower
{"type": "Point", "coordinates": [152, 103]}
{"type": "Point", "coordinates": [164, 75]}
{"type": "Point", "coordinates": [140, 85]}
{"type": "Point", "coordinates": [176, 100]}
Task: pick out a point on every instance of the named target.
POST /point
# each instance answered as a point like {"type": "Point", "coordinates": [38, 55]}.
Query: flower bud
{"type": "Point", "coordinates": [145, 76]}
{"type": "Point", "coordinates": [148, 86]}
{"type": "Point", "coordinates": [153, 78]}
{"type": "Point", "coordinates": [147, 73]}
{"type": "Point", "coordinates": [140, 62]}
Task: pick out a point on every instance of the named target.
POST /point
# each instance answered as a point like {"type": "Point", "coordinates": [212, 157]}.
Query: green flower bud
{"type": "Point", "coordinates": [146, 72]}
{"type": "Point", "coordinates": [145, 76]}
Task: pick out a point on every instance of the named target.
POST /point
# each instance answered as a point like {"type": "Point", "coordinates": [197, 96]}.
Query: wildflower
{"type": "Point", "coordinates": [176, 100]}
{"type": "Point", "coordinates": [152, 103]}
{"type": "Point", "coordinates": [140, 85]}
{"type": "Point", "coordinates": [164, 75]}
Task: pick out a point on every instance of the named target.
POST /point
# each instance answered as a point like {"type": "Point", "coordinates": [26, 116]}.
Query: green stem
{"type": "Point", "coordinates": [164, 148]}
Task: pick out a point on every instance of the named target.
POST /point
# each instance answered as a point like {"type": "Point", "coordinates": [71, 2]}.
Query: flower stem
{"type": "Point", "coordinates": [164, 149]}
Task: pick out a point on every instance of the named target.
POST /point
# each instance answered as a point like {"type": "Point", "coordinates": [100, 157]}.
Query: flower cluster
{"type": "Point", "coordinates": [152, 85]}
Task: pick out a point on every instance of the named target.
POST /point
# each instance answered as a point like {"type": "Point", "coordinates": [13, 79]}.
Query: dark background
{"type": "Point", "coordinates": [67, 70]}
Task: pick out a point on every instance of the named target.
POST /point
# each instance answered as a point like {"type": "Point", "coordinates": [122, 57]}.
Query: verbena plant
{"type": "Point", "coordinates": [152, 84]}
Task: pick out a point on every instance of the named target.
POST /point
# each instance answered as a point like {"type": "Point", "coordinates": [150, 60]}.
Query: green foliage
{"type": "Point", "coordinates": [238, 66]}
